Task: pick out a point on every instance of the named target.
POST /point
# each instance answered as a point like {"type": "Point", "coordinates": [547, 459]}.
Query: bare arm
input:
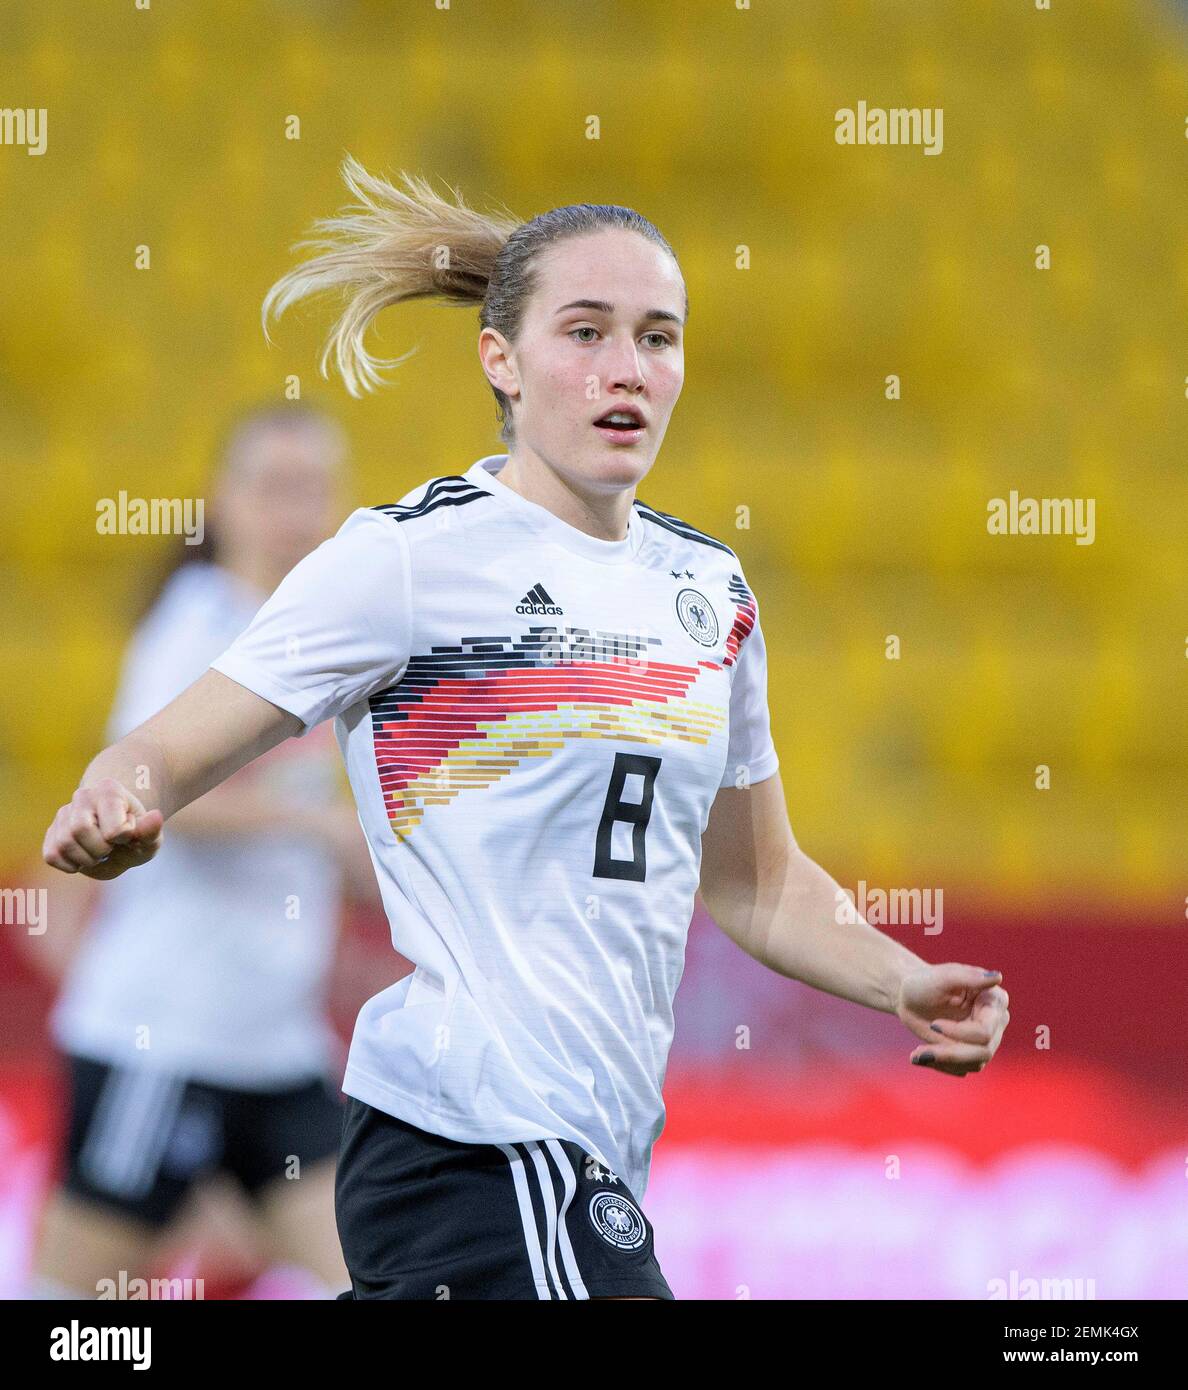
{"type": "Point", "coordinates": [786, 911]}
{"type": "Point", "coordinates": [781, 907]}
{"type": "Point", "coordinates": [237, 807]}
{"type": "Point", "coordinates": [113, 822]}
{"type": "Point", "coordinates": [212, 729]}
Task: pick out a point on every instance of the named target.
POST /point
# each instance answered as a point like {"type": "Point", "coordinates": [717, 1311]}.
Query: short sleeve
{"type": "Point", "coordinates": [338, 626]}
{"type": "Point", "coordinates": [751, 755]}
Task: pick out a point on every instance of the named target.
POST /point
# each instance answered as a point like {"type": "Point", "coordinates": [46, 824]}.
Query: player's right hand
{"type": "Point", "coordinates": [103, 832]}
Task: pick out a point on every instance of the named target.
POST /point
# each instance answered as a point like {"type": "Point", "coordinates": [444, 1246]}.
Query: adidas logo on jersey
{"type": "Point", "coordinates": [537, 601]}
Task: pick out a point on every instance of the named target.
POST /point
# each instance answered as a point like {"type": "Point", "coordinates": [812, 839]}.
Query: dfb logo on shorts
{"type": "Point", "coordinates": [617, 1221]}
{"type": "Point", "coordinates": [697, 617]}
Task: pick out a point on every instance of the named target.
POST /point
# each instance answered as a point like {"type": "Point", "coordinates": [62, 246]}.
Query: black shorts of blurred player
{"type": "Point", "coordinates": [139, 1140]}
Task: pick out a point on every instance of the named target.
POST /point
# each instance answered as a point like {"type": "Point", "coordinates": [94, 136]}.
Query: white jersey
{"type": "Point", "coordinates": [212, 959]}
{"type": "Point", "coordinates": [535, 723]}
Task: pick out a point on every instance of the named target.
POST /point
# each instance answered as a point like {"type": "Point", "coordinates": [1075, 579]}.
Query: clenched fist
{"type": "Point", "coordinates": [103, 832]}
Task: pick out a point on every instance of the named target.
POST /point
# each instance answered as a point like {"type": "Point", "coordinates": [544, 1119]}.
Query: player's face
{"type": "Point", "coordinates": [575, 362]}
{"type": "Point", "coordinates": [282, 502]}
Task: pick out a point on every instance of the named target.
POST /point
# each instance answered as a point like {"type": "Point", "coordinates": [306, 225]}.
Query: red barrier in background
{"type": "Point", "coordinates": [1104, 991]}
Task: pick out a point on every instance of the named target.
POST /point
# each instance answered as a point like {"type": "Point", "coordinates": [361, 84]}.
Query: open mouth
{"type": "Point", "coordinates": [620, 424]}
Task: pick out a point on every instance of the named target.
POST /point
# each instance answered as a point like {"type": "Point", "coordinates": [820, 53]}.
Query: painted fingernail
{"type": "Point", "coordinates": [990, 972]}
{"type": "Point", "coordinates": [936, 1028]}
{"type": "Point", "coordinates": [926, 1057]}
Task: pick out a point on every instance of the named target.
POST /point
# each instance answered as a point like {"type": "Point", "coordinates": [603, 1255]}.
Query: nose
{"type": "Point", "coordinates": [625, 370]}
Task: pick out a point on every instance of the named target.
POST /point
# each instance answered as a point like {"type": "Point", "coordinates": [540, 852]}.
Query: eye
{"type": "Point", "coordinates": [665, 340]}
{"type": "Point", "coordinates": [585, 328]}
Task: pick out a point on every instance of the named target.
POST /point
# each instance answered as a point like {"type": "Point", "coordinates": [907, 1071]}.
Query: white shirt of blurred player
{"type": "Point", "coordinates": [212, 960]}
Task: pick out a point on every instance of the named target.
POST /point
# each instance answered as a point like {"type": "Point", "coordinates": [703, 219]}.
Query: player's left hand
{"type": "Point", "coordinates": [959, 1010]}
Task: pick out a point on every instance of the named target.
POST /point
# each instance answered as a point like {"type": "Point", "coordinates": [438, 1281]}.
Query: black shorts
{"type": "Point", "coordinates": [424, 1217]}
{"type": "Point", "coordinates": [139, 1139]}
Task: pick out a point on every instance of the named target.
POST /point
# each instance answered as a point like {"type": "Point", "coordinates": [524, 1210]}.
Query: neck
{"type": "Point", "coordinates": [606, 516]}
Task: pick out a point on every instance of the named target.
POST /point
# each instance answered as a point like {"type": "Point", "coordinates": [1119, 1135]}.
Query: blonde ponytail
{"type": "Point", "coordinates": [389, 247]}
{"type": "Point", "coordinates": [392, 245]}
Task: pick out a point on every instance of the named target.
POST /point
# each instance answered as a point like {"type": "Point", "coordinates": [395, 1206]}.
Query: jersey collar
{"type": "Point", "coordinates": [485, 474]}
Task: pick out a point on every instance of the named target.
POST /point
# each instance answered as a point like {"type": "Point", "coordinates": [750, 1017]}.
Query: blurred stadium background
{"type": "Point", "coordinates": [1065, 128]}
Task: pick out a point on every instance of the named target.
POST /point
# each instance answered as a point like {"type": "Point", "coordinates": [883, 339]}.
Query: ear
{"type": "Point", "coordinates": [497, 358]}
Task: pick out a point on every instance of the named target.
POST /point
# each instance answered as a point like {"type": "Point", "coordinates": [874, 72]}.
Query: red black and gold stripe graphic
{"type": "Point", "coordinates": [464, 717]}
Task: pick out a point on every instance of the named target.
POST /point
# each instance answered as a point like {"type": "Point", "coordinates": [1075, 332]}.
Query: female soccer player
{"type": "Point", "coordinates": [551, 698]}
{"type": "Point", "coordinates": [192, 1016]}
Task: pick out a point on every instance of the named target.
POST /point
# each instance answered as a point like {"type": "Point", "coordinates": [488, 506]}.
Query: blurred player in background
{"type": "Point", "coordinates": [552, 701]}
{"type": "Point", "coordinates": [192, 1015]}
